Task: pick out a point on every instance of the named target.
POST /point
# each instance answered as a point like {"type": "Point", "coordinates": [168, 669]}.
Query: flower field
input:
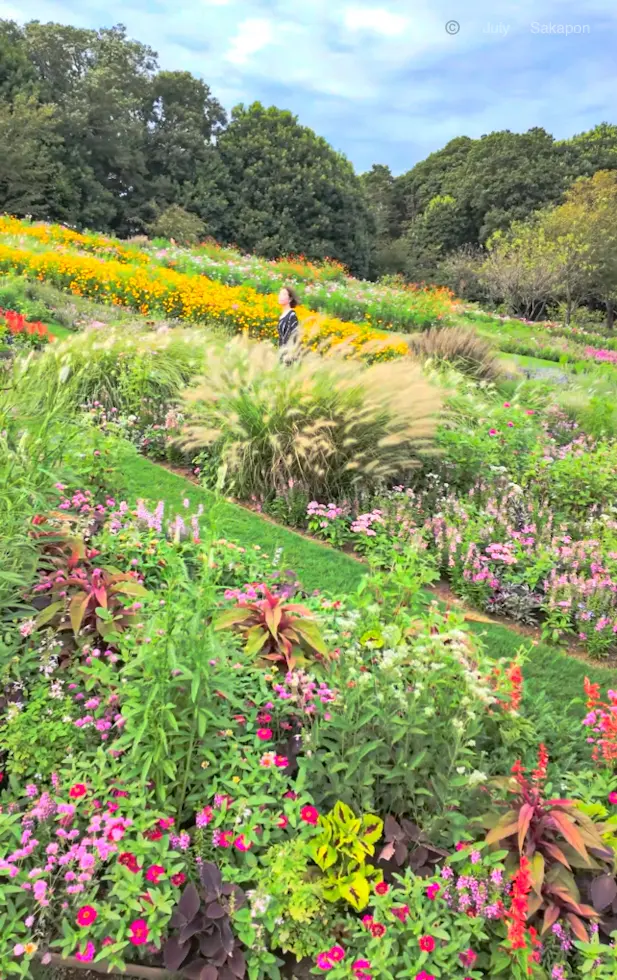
{"type": "Point", "coordinates": [229, 750]}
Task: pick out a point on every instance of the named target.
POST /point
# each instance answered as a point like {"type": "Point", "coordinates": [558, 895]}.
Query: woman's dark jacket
{"type": "Point", "coordinates": [288, 327]}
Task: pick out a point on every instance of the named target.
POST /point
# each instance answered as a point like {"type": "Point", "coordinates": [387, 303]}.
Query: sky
{"type": "Point", "coordinates": [384, 82]}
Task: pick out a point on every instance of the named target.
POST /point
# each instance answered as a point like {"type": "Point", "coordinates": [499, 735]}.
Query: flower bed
{"type": "Point", "coordinates": [20, 333]}
{"type": "Point", "coordinates": [190, 298]}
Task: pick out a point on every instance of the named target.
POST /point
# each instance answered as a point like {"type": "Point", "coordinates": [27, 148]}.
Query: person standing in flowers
{"type": "Point", "coordinates": [289, 327]}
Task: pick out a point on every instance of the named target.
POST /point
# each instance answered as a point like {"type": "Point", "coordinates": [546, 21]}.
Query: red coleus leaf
{"type": "Point", "coordinates": [524, 819]}
{"type": "Point", "coordinates": [570, 832]}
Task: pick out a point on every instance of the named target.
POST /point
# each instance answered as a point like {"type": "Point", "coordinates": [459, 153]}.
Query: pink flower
{"type": "Point", "coordinates": [426, 944]}
{"type": "Point", "coordinates": [377, 929]}
{"type": "Point", "coordinates": [612, 798]}
{"type": "Point", "coordinates": [139, 932]}
{"type": "Point", "coordinates": [129, 861]}
{"type": "Point", "coordinates": [323, 961]}
{"type": "Point", "coordinates": [510, 425]}
{"type": "Point", "coordinates": [401, 912]}
{"type": "Point", "coordinates": [282, 821]}
{"type": "Point", "coordinates": [87, 955]}
{"type": "Point", "coordinates": [86, 915]}
{"type": "Point", "coordinates": [336, 954]}
{"type": "Point", "coordinates": [77, 790]}
{"type": "Point", "coordinates": [507, 405]}
{"type": "Point", "coordinates": [178, 879]}
{"type": "Point", "coordinates": [310, 815]}
{"type": "Point", "coordinates": [423, 975]}
{"type": "Point", "coordinates": [432, 891]}
{"type": "Point", "coordinates": [204, 816]}
{"type": "Point", "coordinates": [530, 411]}
{"type": "Point", "coordinates": [241, 844]}
{"type": "Point", "coordinates": [154, 873]}
{"type": "Point", "coordinates": [19, 950]}
{"type": "Point", "coordinates": [382, 888]}
{"type": "Point", "coordinates": [468, 958]}
{"type": "Point", "coordinates": [492, 432]}
{"type": "Point", "coordinates": [265, 734]}
{"type": "Point", "coordinates": [281, 761]}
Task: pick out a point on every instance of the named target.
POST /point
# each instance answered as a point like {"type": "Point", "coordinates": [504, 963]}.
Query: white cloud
{"type": "Point", "coordinates": [252, 35]}
{"type": "Point", "coordinates": [374, 19]}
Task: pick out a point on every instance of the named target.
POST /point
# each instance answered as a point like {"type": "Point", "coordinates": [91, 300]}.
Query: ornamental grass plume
{"type": "Point", "coordinates": [120, 368]}
{"type": "Point", "coordinates": [460, 348]}
{"type": "Point", "coordinates": [328, 424]}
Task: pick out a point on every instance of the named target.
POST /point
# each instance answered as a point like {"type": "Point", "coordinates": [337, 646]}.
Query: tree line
{"type": "Point", "coordinates": [96, 135]}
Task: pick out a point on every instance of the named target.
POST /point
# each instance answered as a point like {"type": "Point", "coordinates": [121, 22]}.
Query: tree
{"type": "Point", "coordinates": [589, 152]}
{"type": "Point", "coordinates": [522, 269]}
{"type": "Point", "coordinates": [434, 233]}
{"type": "Point", "coordinates": [590, 210]}
{"type": "Point", "coordinates": [290, 192]}
{"type": "Point", "coordinates": [184, 167]}
{"type": "Point", "coordinates": [17, 73]}
{"type": "Point", "coordinates": [99, 82]}
{"type": "Point", "coordinates": [28, 169]}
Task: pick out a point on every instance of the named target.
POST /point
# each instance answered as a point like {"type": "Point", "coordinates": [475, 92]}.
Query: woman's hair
{"type": "Point", "coordinates": [293, 296]}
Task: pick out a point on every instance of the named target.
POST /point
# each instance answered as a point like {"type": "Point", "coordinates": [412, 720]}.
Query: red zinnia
{"type": "Point", "coordinates": [178, 879]}
{"type": "Point", "coordinates": [382, 888]}
{"type": "Point", "coordinates": [310, 815]}
{"type": "Point", "coordinates": [377, 929]}
{"type": "Point", "coordinates": [86, 915]}
{"type": "Point", "coordinates": [427, 944]}
{"type": "Point", "coordinates": [77, 790]}
{"type": "Point", "coordinates": [139, 932]}
{"type": "Point", "coordinates": [282, 821]}
{"type": "Point", "coordinates": [401, 912]}
{"type": "Point", "coordinates": [155, 834]}
{"type": "Point", "coordinates": [154, 873]}
{"type": "Point", "coordinates": [129, 861]}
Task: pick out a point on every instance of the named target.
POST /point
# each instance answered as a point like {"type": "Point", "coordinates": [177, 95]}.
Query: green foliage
{"type": "Point", "coordinates": [289, 901]}
{"type": "Point", "coordinates": [341, 849]}
{"type": "Point", "coordinates": [38, 738]}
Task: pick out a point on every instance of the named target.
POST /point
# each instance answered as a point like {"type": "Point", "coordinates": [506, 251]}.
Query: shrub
{"type": "Point", "coordinates": [326, 424]}
{"type": "Point", "coordinates": [460, 347]}
{"type": "Point", "coordinates": [174, 222]}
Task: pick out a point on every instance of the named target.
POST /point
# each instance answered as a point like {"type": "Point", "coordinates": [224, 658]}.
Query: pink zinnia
{"type": "Point", "coordinates": [382, 888]}
{"type": "Point", "coordinates": [612, 797]}
{"type": "Point", "coordinates": [79, 789]}
{"type": "Point", "coordinates": [178, 879]}
{"type": "Point", "coordinates": [468, 958]}
{"type": "Point", "coordinates": [265, 734]}
{"type": "Point", "coordinates": [154, 873]}
{"type": "Point", "coordinates": [86, 915]}
{"type": "Point", "coordinates": [336, 954]}
{"type": "Point", "coordinates": [282, 821]}
{"type": "Point", "coordinates": [241, 844]}
{"type": "Point", "coordinates": [88, 953]}
{"type": "Point", "coordinates": [424, 976]}
{"type": "Point", "coordinates": [427, 944]}
{"type": "Point", "coordinates": [139, 932]}
{"type": "Point", "coordinates": [492, 432]}
{"type": "Point", "coordinates": [310, 815]}
{"type": "Point", "coordinates": [401, 912]}
{"type": "Point", "coordinates": [432, 891]}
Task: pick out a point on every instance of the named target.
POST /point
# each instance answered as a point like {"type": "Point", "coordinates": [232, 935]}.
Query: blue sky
{"type": "Point", "coordinates": [383, 82]}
